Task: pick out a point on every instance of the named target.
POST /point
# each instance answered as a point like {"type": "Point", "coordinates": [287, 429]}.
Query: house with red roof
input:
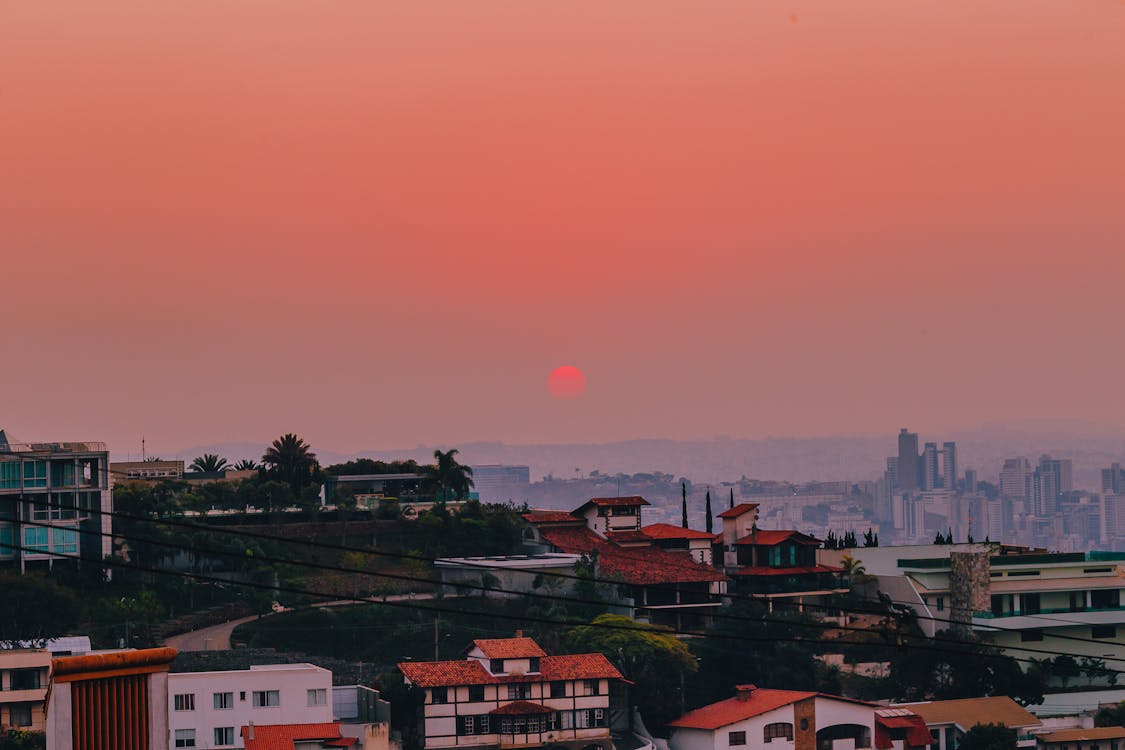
{"type": "Point", "coordinates": [605, 515]}
{"type": "Point", "coordinates": [322, 736]}
{"type": "Point", "coordinates": [761, 719]}
{"type": "Point", "coordinates": [509, 693]}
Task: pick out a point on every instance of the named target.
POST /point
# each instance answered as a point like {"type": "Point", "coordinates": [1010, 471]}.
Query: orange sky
{"type": "Point", "coordinates": [382, 223]}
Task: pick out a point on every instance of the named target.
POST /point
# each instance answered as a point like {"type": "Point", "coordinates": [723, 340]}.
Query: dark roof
{"type": "Point", "coordinates": [472, 672]}
{"type": "Point", "coordinates": [770, 537]}
{"type": "Point", "coordinates": [551, 516]}
{"type": "Point", "coordinates": [669, 531]}
{"type": "Point", "coordinates": [738, 510]}
{"type": "Point", "coordinates": [641, 567]}
{"type": "Point", "coordinates": [509, 648]}
{"type": "Point", "coordinates": [787, 571]}
{"type": "Point", "coordinates": [603, 502]}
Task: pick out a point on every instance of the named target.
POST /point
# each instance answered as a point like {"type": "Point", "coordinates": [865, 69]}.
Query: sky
{"type": "Point", "coordinates": [378, 224]}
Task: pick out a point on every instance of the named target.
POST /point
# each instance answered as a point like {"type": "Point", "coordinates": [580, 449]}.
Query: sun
{"type": "Point", "coordinates": [566, 382]}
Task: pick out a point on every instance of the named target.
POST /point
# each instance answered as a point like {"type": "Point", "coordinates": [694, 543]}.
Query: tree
{"type": "Point", "coordinates": [1110, 716]}
{"type": "Point", "coordinates": [988, 737]}
{"type": "Point", "coordinates": [275, 495]}
{"type": "Point", "coordinates": [710, 521]}
{"type": "Point", "coordinates": [453, 480]}
{"type": "Point", "coordinates": [650, 656]}
{"type": "Point", "coordinates": [1065, 667]}
{"type": "Point", "coordinates": [35, 609]}
{"type": "Point", "coordinates": [17, 739]}
{"type": "Point", "coordinates": [246, 465]}
{"type": "Point", "coordinates": [291, 460]}
{"type": "Point", "coordinates": [209, 463]}
{"type": "Point", "coordinates": [853, 569]}
{"type": "Point", "coordinates": [683, 504]}
{"type": "Point", "coordinates": [870, 538]}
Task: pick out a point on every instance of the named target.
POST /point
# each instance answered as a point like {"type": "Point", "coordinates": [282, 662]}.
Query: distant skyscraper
{"type": "Point", "coordinates": [892, 472]}
{"type": "Point", "coordinates": [908, 461]}
{"type": "Point", "coordinates": [970, 480]}
{"type": "Point", "coordinates": [949, 465]}
{"type": "Point", "coordinates": [1113, 480]}
{"type": "Point", "coordinates": [1014, 481]}
{"type": "Point", "coordinates": [1052, 480]}
{"type": "Point", "coordinates": [501, 484]}
{"type": "Point", "coordinates": [929, 467]}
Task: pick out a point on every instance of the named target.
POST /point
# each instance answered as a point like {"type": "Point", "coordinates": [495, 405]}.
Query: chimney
{"type": "Point", "coordinates": [743, 692]}
{"type": "Point", "coordinates": [519, 634]}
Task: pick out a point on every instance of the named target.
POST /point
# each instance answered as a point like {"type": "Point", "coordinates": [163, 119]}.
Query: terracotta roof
{"type": "Point", "coordinates": [615, 501]}
{"type": "Point", "coordinates": [770, 537]}
{"type": "Point", "coordinates": [1083, 735]}
{"type": "Point", "coordinates": [736, 709]}
{"type": "Point", "coordinates": [551, 516]}
{"type": "Point", "coordinates": [521, 708]}
{"type": "Point", "coordinates": [471, 672]}
{"type": "Point", "coordinates": [629, 537]}
{"type": "Point", "coordinates": [285, 736]}
{"type": "Point", "coordinates": [738, 510]}
{"type": "Point", "coordinates": [638, 567]}
{"type": "Point", "coordinates": [917, 733]}
{"type": "Point", "coordinates": [509, 648]}
{"type": "Point", "coordinates": [92, 666]}
{"type": "Point", "coordinates": [668, 531]}
{"type": "Point", "coordinates": [795, 570]}
{"type": "Point", "coordinates": [756, 703]}
{"type": "Point", "coordinates": [968, 712]}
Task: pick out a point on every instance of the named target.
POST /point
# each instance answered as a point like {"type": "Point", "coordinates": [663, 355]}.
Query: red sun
{"type": "Point", "coordinates": [566, 382]}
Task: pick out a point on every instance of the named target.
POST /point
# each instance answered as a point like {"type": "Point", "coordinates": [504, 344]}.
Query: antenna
{"type": "Point", "coordinates": [143, 458]}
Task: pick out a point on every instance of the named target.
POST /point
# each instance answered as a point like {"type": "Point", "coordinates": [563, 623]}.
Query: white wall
{"type": "Point", "coordinates": [293, 681]}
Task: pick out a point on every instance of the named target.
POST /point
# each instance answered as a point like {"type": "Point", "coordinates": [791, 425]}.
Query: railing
{"type": "Point", "coordinates": [1048, 611]}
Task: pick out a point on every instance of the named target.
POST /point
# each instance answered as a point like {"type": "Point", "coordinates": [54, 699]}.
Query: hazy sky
{"type": "Point", "coordinates": [378, 223]}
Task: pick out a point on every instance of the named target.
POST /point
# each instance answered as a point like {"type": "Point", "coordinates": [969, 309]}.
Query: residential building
{"type": "Point", "coordinates": [206, 709]}
{"type": "Point", "coordinates": [787, 719]}
{"type": "Point", "coordinates": [604, 515]}
{"type": "Point", "coordinates": [322, 736]}
{"type": "Point", "coordinates": [948, 721]}
{"type": "Point", "coordinates": [1094, 738]}
{"type": "Point", "coordinates": [53, 500]}
{"type": "Point", "coordinates": [900, 728]}
{"type": "Point", "coordinates": [112, 700]}
{"type": "Point", "coordinates": [509, 693]}
{"type": "Point", "coordinates": [696, 544]}
{"type": "Point", "coordinates": [146, 471]}
{"type": "Point", "coordinates": [369, 489]}
{"type": "Point", "coordinates": [24, 674]}
{"type": "Point", "coordinates": [495, 483]}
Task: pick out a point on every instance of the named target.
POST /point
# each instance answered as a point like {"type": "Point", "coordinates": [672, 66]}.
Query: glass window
{"type": "Point", "coordinates": [566, 719]}
{"type": "Point", "coordinates": [62, 474]}
{"type": "Point", "coordinates": [64, 541]}
{"type": "Point", "coordinates": [558, 689]}
{"type": "Point", "coordinates": [534, 666]}
{"type": "Point", "coordinates": [35, 539]}
{"type": "Point", "coordinates": [484, 723]}
{"type": "Point", "coordinates": [1105, 598]}
{"type": "Point", "coordinates": [779, 730]}
{"type": "Point", "coordinates": [476, 692]}
{"type": "Point", "coordinates": [519, 691]}
{"type": "Point", "coordinates": [318, 697]}
{"type": "Point", "coordinates": [267, 698]}
{"type": "Point", "coordinates": [737, 738]}
{"type": "Point", "coordinates": [470, 725]}
{"type": "Point", "coordinates": [184, 702]}
{"type": "Point", "coordinates": [7, 539]}
{"type": "Point", "coordinates": [34, 473]}
{"type": "Point", "coordinates": [496, 666]}
{"type": "Point", "coordinates": [224, 701]}
{"type": "Point", "coordinates": [593, 687]}
{"type": "Point", "coordinates": [1029, 604]}
{"type": "Point", "coordinates": [19, 714]}
{"type": "Point", "coordinates": [25, 679]}
{"type": "Point", "coordinates": [9, 475]}
{"type": "Point", "coordinates": [185, 738]}
{"type": "Point", "coordinates": [224, 736]}
{"type": "Point", "coordinates": [439, 695]}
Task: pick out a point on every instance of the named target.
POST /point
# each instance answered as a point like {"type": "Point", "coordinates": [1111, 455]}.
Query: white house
{"type": "Point", "coordinates": [207, 709]}
{"type": "Point", "coordinates": [759, 718]}
{"type": "Point", "coordinates": [509, 693]}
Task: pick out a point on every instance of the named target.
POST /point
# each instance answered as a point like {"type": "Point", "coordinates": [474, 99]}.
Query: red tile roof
{"type": "Point", "coordinates": [769, 537]}
{"type": "Point", "coordinates": [917, 733]}
{"type": "Point", "coordinates": [629, 537]}
{"type": "Point", "coordinates": [756, 703]}
{"type": "Point", "coordinates": [638, 567]}
{"type": "Point", "coordinates": [616, 501]}
{"type": "Point", "coordinates": [790, 571]}
{"type": "Point", "coordinates": [509, 648]}
{"type": "Point", "coordinates": [472, 672]}
{"type": "Point", "coordinates": [738, 510]}
{"type": "Point", "coordinates": [550, 516]}
{"type": "Point", "coordinates": [284, 736]}
{"type": "Point", "coordinates": [668, 531]}
{"type": "Point", "coordinates": [521, 708]}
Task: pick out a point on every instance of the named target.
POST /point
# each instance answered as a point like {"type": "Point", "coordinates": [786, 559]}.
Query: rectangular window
{"type": "Point", "coordinates": [1105, 599]}
{"type": "Point", "coordinates": [566, 719]}
{"type": "Point", "coordinates": [34, 473]}
{"type": "Point", "coordinates": [941, 604]}
{"type": "Point", "coordinates": [439, 695]}
{"type": "Point", "coordinates": [552, 722]}
{"type": "Point", "coordinates": [484, 724]}
{"type": "Point", "coordinates": [519, 691]}
{"type": "Point", "coordinates": [476, 692]}
{"type": "Point", "coordinates": [267, 698]}
{"type": "Point", "coordinates": [582, 718]}
{"type": "Point", "coordinates": [25, 679]}
{"type": "Point", "coordinates": [1103, 631]}
{"type": "Point", "coordinates": [599, 717]}
{"type": "Point", "coordinates": [534, 665]}
{"type": "Point", "coordinates": [496, 666]}
{"type": "Point", "coordinates": [778, 730]}
{"type": "Point", "coordinates": [185, 738]}
{"type": "Point", "coordinates": [505, 725]}
{"type": "Point", "coordinates": [64, 541]}
{"type": "Point", "coordinates": [468, 725]}
{"type": "Point", "coordinates": [184, 702]}
{"type": "Point", "coordinates": [223, 701]}
{"type": "Point", "coordinates": [9, 475]}
{"type": "Point", "coordinates": [558, 689]}
{"type": "Point", "coordinates": [1031, 635]}
{"type": "Point", "coordinates": [19, 714]}
{"type": "Point", "coordinates": [224, 736]}
{"type": "Point", "coordinates": [736, 738]}
{"type": "Point", "coordinates": [1029, 604]}
{"type": "Point", "coordinates": [7, 540]}
{"type": "Point", "coordinates": [593, 687]}
{"type": "Point", "coordinates": [318, 697]}
{"type": "Point", "coordinates": [35, 539]}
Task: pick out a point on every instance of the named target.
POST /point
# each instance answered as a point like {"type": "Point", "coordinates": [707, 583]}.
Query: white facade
{"type": "Point", "coordinates": [782, 728]}
{"type": "Point", "coordinates": [207, 709]}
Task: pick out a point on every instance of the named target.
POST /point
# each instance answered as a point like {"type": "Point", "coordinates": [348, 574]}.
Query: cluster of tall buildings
{"type": "Point", "coordinates": [929, 470]}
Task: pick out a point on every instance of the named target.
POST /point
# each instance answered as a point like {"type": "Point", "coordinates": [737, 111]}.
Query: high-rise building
{"type": "Point", "coordinates": [54, 500]}
{"type": "Point", "coordinates": [1113, 480]}
{"type": "Point", "coordinates": [1013, 481]}
{"type": "Point", "coordinates": [949, 465]}
{"type": "Point", "coordinates": [929, 467]}
{"type": "Point", "coordinates": [970, 480]}
{"type": "Point", "coordinates": [908, 461]}
{"type": "Point", "coordinates": [1051, 480]}
{"type": "Point", "coordinates": [501, 484]}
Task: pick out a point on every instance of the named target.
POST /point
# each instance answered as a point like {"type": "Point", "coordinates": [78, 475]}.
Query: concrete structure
{"type": "Point", "coordinates": [757, 718]}
{"type": "Point", "coordinates": [23, 688]}
{"type": "Point", "coordinates": [207, 709]}
{"type": "Point", "coordinates": [109, 701]}
{"type": "Point", "coordinates": [514, 573]}
{"type": "Point", "coordinates": [948, 721]}
{"type": "Point", "coordinates": [146, 471]}
{"type": "Point", "coordinates": [495, 483]}
{"type": "Point", "coordinates": [509, 693]}
{"type": "Point", "coordinates": [52, 496]}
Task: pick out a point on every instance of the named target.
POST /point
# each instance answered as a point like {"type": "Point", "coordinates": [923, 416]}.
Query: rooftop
{"type": "Point", "coordinates": [551, 516]}
{"type": "Point", "coordinates": [509, 648]}
{"type": "Point", "coordinates": [969, 712]}
{"type": "Point", "coordinates": [286, 736]}
{"type": "Point", "coordinates": [1084, 735]}
{"type": "Point", "coordinates": [603, 502]}
{"type": "Point", "coordinates": [639, 567]}
{"type": "Point", "coordinates": [750, 702]}
{"type": "Point", "coordinates": [769, 537]}
{"type": "Point", "coordinates": [738, 510]}
{"type": "Point", "coordinates": [670, 531]}
{"type": "Point", "coordinates": [472, 672]}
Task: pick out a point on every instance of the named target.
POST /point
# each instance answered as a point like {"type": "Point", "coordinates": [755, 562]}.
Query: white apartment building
{"type": "Point", "coordinates": [208, 709]}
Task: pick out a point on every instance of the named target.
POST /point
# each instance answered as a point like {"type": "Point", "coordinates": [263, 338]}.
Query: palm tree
{"type": "Point", "coordinates": [291, 459]}
{"type": "Point", "coordinates": [452, 478]}
{"type": "Point", "coordinates": [209, 463]}
{"type": "Point", "coordinates": [246, 465]}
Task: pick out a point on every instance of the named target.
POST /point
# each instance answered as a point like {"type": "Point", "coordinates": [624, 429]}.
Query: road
{"type": "Point", "coordinates": [217, 637]}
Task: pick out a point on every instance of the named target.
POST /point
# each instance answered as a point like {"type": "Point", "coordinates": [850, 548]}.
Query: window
{"type": "Point", "coordinates": [737, 738]}
{"type": "Point", "coordinates": [7, 540]}
{"type": "Point", "coordinates": [941, 604]}
{"type": "Point", "coordinates": [496, 666]}
{"type": "Point", "coordinates": [476, 692]}
{"type": "Point", "coordinates": [1105, 599]}
{"type": "Point", "coordinates": [1103, 631]}
{"type": "Point", "coordinates": [484, 721]}
{"type": "Point", "coordinates": [566, 719]}
{"type": "Point", "coordinates": [1030, 604]}
{"type": "Point", "coordinates": [19, 714]}
{"type": "Point", "coordinates": [224, 701]}
{"type": "Point", "coordinates": [534, 666]}
{"type": "Point", "coordinates": [558, 689]}
{"type": "Point", "coordinates": [1034, 634]}
{"type": "Point", "coordinates": [552, 722]}
{"type": "Point", "coordinates": [519, 691]}
{"type": "Point", "coordinates": [35, 539]}
{"type": "Point", "coordinates": [439, 695]}
{"type": "Point", "coordinates": [185, 738]}
{"type": "Point", "coordinates": [34, 473]}
{"type": "Point", "coordinates": [267, 698]}
{"type": "Point", "coordinates": [9, 475]}
{"type": "Point", "coordinates": [469, 725]}
{"type": "Point", "coordinates": [593, 687]}
{"type": "Point", "coordinates": [184, 702]}
{"type": "Point", "coordinates": [64, 541]}
{"type": "Point", "coordinates": [224, 736]}
{"type": "Point", "coordinates": [318, 697]}
{"type": "Point", "coordinates": [599, 717]}
{"type": "Point", "coordinates": [582, 718]}
{"type": "Point", "coordinates": [780, 730]}
{"type": "Point", "coordinates": [25, 679]}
